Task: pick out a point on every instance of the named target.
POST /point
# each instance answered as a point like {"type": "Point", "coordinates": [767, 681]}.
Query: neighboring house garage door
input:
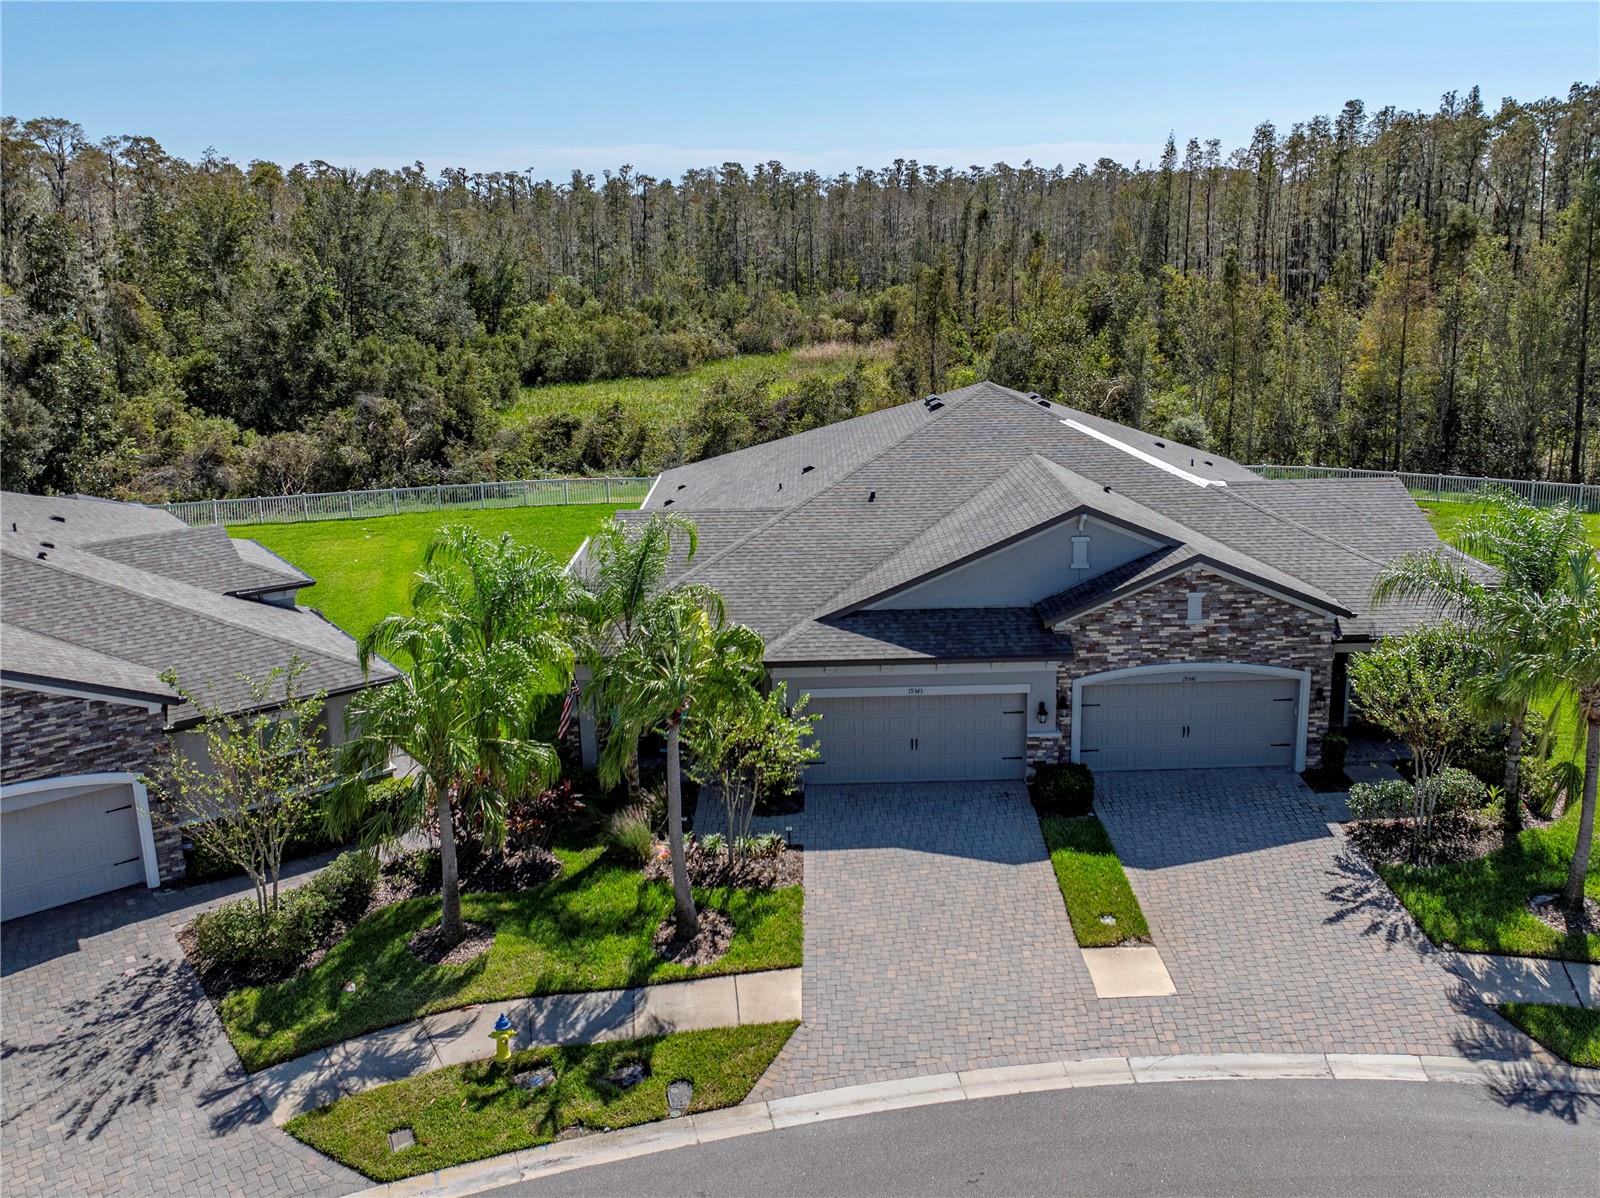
{"type": "Point", "coordinates": [70, 848]}
{"type": "Point", "coordinates": [1189, 722]}
{"type": "Point", "coordinates": [920, 738]}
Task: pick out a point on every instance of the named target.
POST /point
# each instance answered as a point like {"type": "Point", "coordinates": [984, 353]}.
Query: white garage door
{"type": "Point", "coordinates": [70, 848]}
{"type": "Point", "coordinates": [1188, 723]}
{"type": "Point", "coordinates": [920, 738]}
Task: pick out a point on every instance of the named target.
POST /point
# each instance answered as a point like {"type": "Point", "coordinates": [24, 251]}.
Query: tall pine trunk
{"type": "Point", "coordinates": [450, 927]}
{"type": "Point", "coordinates": [1572, 898]}
{"type": "Point", "coordinates": [683, 896]}
{"type": "Point", "coordinates": [1512, 820]}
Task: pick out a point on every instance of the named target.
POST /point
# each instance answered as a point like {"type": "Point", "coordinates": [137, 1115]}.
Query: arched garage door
{"type": "Point", "coordinates": [920, 737]}
{"type": "Point", "coordinates": [63, 840]}
{"type": "Point", "coordinates": [1190, 718]}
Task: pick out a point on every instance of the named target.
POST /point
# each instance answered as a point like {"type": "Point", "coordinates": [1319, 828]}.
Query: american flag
{"type": "Point", "coordinates": [567, 708]}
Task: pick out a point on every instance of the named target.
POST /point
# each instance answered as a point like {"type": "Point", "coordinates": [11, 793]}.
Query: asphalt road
{"type": "Point", "coordinates": [1271, 1138]}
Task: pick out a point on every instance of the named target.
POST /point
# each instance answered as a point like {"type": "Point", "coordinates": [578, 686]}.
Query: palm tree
{"type": "Point", "coordinates": [625, 572]}
{"type": "Point", "coordinates": [1572, 657]}
{"type": "Point", "coordinates": [487, 646]}
{"type": "Point", "coordinates": [1529, 548]}
{"type": "Point", "coordinates": [681, 649]}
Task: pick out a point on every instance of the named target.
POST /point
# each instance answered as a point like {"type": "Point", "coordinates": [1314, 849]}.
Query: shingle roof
{"type": "Point", "coordinates": [77, 614]}
{"type": "Point", "coordinates": [943, 634]}
{"type": "Point", "coordinates": [901, 494]}
{"type": "Point", "coordinates": [204, 557]}
{"type": "Point", "coordinates": [81, 519]}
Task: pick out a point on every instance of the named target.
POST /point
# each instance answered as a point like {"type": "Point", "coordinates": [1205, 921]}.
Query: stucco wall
{"type": "Point", "coordinates": [1240, 624]}
{"type": "Point", "coordinates": [1023, 573]}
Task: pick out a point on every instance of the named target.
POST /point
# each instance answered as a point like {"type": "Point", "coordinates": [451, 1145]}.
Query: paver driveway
{"type": "Point", "coordinates": [116, 1076]}
{"type": "Point", "coordinates": [936, 938]}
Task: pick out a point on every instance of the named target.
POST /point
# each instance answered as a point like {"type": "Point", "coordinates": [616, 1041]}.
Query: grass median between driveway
{"type": "Point", "coordinates": [587, 929]}
{"type": "Point", "coordinates": [1481, 905]}
{"type": "Point", "coordinates": [1093, 882]}
{"type": "Point", "coordinates": [1572, 1033]}
{"type": "Point", "coordinates": [469, 1112]}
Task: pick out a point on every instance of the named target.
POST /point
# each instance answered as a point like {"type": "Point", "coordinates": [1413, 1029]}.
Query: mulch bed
{"type": "Point", "coordinates": [429, 946]}
{"type": "Point", "coordinates": [1554, 915]}
{"type": "Point", "coordinates": [711, 939]}
{"type": "Point", "coordinates": [1325, 781]}
{"type": "Point", "coordinates": [783, 868]}
{"type": "Point", "coordinates": [1458, 836]}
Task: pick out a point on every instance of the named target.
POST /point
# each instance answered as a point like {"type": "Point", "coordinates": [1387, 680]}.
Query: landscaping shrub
{"type": "Point", "coordinates": [1335, 745]}
{"type": "Point", "coordinates": [1062, 788]}
{"type": "Point", "coordinates": [630, 834]}
{"type": "Point", "coordinates": [263, 947]}
{"type": "Point", "coordinates": [713, 843]}
{"type": "Point", "coordinates": [1455, 789]}
{"type": "Point", "coordinates": [348, 884]}
{"type": "Point", "coordinates": [1381, 800]}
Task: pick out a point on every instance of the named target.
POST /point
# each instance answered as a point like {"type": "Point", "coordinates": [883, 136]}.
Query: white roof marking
{"type": "Point", "coordinates": [1142, 455]}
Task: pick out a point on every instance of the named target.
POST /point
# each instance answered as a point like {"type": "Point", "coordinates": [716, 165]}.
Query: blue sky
{"type": "Point", "coordinates": [665, 86]}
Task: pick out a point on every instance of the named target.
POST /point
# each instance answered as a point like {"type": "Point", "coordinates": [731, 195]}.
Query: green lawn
{"type": "Point", "coordinates": [468, 1112]}
{"type": "Point", "coordinates": [1446, 517]}
{"type": "Point", "coordinates": [588, 929]}
{"type": "Point", "coordinates": [1480, 906]}
{"type": "Point", "coordinates": [1092, 882]}
{"type": "Point", "coordinates": [363, 568]}
{"type": "Point", "coordinates": [1572, 1033]}
{"type": "Point", "coordinates": [663, 403]}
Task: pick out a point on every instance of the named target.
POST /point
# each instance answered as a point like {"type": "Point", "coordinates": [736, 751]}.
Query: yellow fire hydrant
{"type": "Point", "coordinates": [502, 1035]}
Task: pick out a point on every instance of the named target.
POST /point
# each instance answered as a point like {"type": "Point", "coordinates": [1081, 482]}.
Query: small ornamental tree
{"type": "Point", "coordinates": [1415, 686]}
{"type": "Point", "coordinates": [263, 776]}
{"type": "Point", "coordinates": [748, 744]}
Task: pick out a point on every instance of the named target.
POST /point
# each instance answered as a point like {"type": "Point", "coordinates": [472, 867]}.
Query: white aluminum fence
{"type": "Point", "coordinates": [393, 501]}
{"type": "Point", "coordinates": [1460, 487]}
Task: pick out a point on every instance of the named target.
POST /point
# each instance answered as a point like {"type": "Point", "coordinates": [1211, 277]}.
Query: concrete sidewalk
{"type": "Point", "coordinates": [1527, 979]}
{"type": "Point", "coordinates": [454, 1037]}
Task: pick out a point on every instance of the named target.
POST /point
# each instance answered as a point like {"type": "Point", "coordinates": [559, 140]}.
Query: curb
{"type": "Point", "coordinates": [846, 1102]}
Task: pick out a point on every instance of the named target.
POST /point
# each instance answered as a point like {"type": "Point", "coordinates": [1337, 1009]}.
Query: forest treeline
{"type": "Point", "coordinates": [1373, 288]}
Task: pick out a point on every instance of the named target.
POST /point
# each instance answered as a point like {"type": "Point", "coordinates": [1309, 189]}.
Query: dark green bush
{"type": "Point", "coordinates": [308, 836]}
{"type": "Point", "coordinates": [348, 883]}
{"type": "Point", "coordinates": [238, 937]}
{"type": "Point", "coordinates": [1063, 788]}
{"type": "Point", "coordinates": [1335, 745]}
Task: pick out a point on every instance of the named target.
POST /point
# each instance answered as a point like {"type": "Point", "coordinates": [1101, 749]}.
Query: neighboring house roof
{"type": "Point", "coordinates": [110, 614]}
{"type": "Point", "coordinates": [204, 557]}
{"type": "Point", "coordinates": [905, 494]}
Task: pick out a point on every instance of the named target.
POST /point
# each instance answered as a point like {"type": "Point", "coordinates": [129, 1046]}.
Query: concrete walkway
{"type": "Point", "coordinates": [454, 1037]}
{"type": "Point", "coordinates": [1527, 979]}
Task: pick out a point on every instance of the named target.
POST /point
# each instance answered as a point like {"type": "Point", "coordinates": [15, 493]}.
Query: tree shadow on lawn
{"type": "Point", "coordinates": [1518, 1062]}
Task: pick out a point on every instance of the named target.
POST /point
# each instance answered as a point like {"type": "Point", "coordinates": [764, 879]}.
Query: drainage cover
{"type": "Point", "coordinates": [535, 1079]}
{"type": "Point", "coordinates": [400, 1139]}
{"type": "Point", "coordinates": [678, 1095]}
{"type": "Point", "coordinates": [627, 1076]}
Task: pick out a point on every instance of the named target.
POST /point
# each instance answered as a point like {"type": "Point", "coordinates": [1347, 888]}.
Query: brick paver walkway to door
{"type": "Point", "coordinates": [936, 939]}
{"type": "Point", "coordinates": [116, 1076]}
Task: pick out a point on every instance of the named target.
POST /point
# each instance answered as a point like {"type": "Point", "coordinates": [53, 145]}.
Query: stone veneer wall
{"type": "Point", "coordinates": [48, 736]}
{"type": "Point", "coordinates": [1240, 624]}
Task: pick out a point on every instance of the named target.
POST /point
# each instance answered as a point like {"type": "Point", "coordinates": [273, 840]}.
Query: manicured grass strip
{"type": "Point", "coordinates": [468, 1112]}
{"type": "Point", "coordinates": [1092, 882]}
{"type": "Point", "coordinates": [588, 929]}
{"type": "Point", "coordinates": [1480, 906]}
{"type": "Point", "coordinates": [1572, 1033]}
{"type": "Point", "coordinates": [364, 568]}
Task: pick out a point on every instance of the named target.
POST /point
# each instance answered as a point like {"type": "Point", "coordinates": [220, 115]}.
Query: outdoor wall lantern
{"type": "Point", "coordinates": [1043, 714]}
